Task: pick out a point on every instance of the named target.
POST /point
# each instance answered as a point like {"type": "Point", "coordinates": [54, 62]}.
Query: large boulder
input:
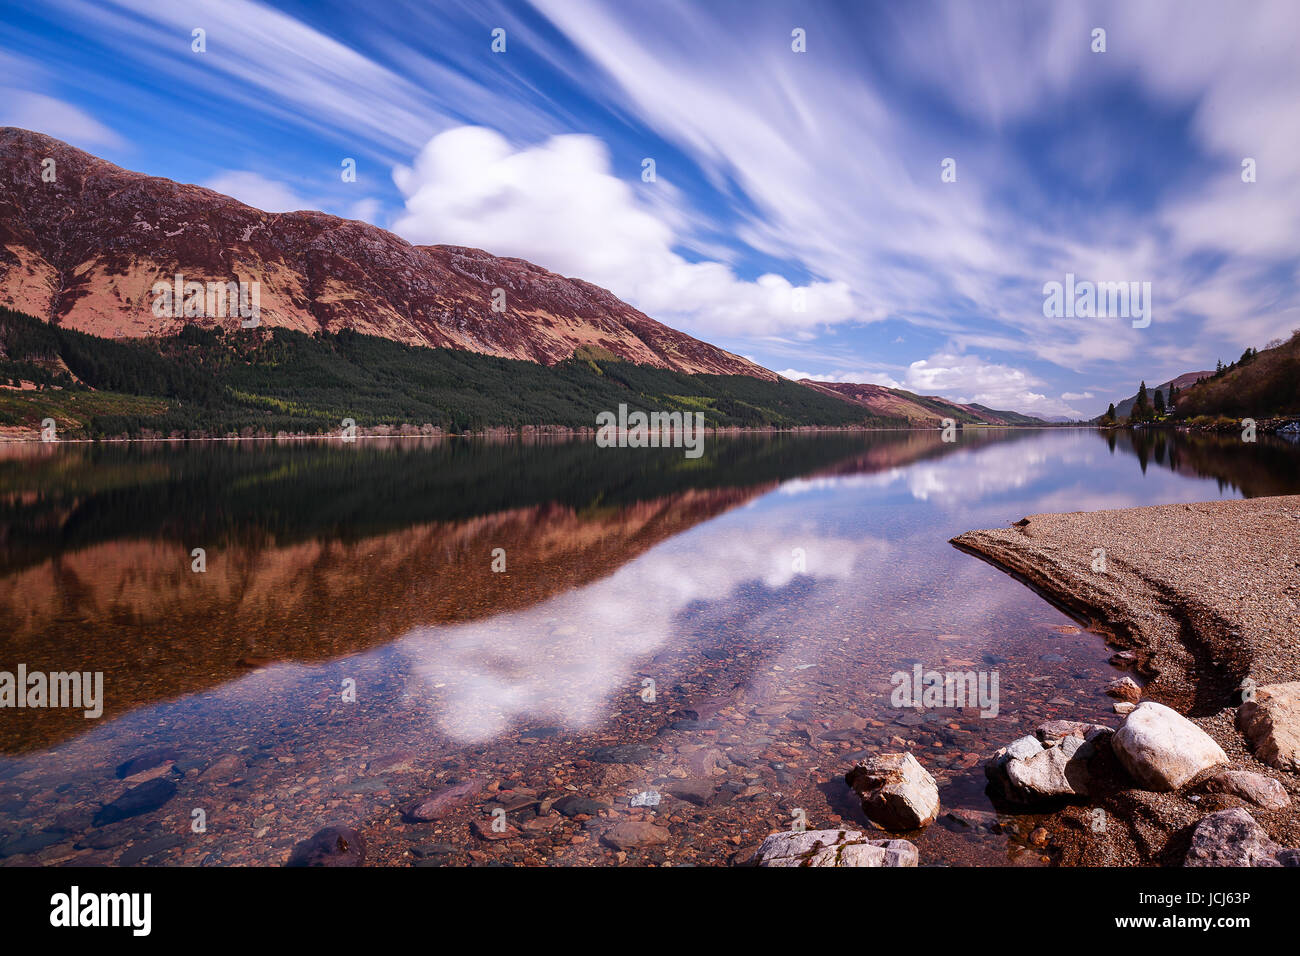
{"type": "Point", "coordinates": [1233, 838]}
{"type": "Point", "coordinates": [1271, 722]}
{"type": "Point", "coordinates": [833, 848]}
{"type": "Point", "coordinates": [1162, 750]}
{"type": "Point", "coordinates": [897, 792]}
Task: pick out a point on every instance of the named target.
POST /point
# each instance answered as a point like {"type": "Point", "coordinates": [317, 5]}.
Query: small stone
{"type": "Point", "coordinates": [483, 829]}
{"type": "Point", "coordinates": [442, 801]}
{"type": "Point", "coordinates": [1125, 688]}
{"type": "Point", "coordinates": [225, 767]}
{"type": "Point", "coordinates": [575, 805]}
{"type": "Point", "coordinates": [162, 758]}
{"type": "Point", "coordinates": [332, 846]}
{"type": "Point", "coordinates": [697, 790]}
{"type": "Point", "coordinates": [634, 833]}
{"type": "Point", "coordinates": [623, 753]}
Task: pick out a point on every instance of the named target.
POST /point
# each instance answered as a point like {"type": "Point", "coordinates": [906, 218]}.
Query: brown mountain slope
{"type": "Point", "coordinates": [1265, 385]}
{"type": "Point", "coordinates": [918, 409]}
{"type": "Point", "coordinates": [86, 249]}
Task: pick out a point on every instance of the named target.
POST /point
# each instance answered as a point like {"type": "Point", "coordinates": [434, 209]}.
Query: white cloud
{"type": "Point", "coordinates": [839, 178]}
{"type": "Point", "coordinates": [558, 205]}
{"type": "Point", "coordinates": [966, 379]}
{"type": "Point", "coordinates": [256, 190]}
{"type": "Point", "coordinates": [45, 114]}
{"type": "Point", "coordinates": [864, 377]}
{"type": "Point", "coordinates": [1076, 396]}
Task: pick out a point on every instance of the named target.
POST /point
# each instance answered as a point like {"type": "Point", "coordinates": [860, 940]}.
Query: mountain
{"type": "Point", "coordinates": [85, 250]}
{"type": "Point", "coordinates": [1187, 379]}
{"type": "Point", "coordinates": [1262, 384]}
{"type": "Point", "coordinates": [917, 409]}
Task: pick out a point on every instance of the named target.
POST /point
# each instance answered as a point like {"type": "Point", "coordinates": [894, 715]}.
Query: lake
{"type": "Point", "coordinates": [293, 634]}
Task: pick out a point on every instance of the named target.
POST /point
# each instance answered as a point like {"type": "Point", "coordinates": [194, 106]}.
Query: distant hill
{"type": "Point", "coordinates": [1123, 408]}
{"type": "Point", "coordinates": [1264, 385]}
{"type": "Point", "coordinates": [917, 409]}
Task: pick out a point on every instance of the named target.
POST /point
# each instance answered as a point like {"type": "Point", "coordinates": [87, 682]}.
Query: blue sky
{"type": "Point", "coordinates": [797, 215]}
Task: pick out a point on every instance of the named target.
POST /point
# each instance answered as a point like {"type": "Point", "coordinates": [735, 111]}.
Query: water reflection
{"type": "Point", "coordinates": [769, 591]}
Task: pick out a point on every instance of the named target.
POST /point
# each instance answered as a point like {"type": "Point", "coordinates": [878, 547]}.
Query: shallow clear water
{"type": "Point", "coordinates": [770, 591]}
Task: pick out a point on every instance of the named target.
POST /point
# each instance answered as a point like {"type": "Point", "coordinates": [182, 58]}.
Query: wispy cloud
{"type": "Point", "coordinates": [775, 169]}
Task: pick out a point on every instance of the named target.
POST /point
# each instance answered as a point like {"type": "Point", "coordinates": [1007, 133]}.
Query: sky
{"type": "Point", "coordinates": [851, 191]}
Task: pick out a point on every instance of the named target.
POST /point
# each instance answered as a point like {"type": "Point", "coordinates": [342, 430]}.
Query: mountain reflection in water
{"type": "Point", "coordinates": [765, 594]}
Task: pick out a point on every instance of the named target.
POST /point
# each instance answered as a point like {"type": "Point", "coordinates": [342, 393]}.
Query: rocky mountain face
{"type": "Point", "coordinates": [83, 242]}
{"type": "Point", "coordinates": [917, 409]}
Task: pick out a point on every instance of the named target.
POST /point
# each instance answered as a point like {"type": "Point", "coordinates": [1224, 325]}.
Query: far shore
{"type": "Point", "coordinates": [16, 436]}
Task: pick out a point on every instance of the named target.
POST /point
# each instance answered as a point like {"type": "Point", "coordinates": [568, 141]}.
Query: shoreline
{"type": "Point", "coordinates": [33, 436]}
{"type": "Point", "coordinates": [1202, 597]}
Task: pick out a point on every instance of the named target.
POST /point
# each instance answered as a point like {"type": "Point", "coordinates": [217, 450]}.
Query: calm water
{"type": "Point", "coordinates": [768, 590]}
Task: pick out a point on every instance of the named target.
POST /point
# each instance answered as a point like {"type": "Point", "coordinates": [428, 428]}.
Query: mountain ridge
{"type": "Point", "coordinates": [85, 250]}
{"type": "Point", "coordinates": [919, 409]}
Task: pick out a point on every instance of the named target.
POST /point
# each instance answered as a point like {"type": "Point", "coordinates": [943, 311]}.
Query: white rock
{"type": "Point", "coordinates": [1162, 750]}
{"type": "Point", "coordinates": [897, 792]}
{"type": "Point", "coordinates": [833, 848]}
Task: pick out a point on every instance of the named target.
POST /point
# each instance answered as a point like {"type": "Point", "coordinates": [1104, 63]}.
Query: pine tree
{"type": "Point", "coordinates": [1160, 404]}
{"type": "Point", "coordinates": [1110, 416]}
{"type": "Point", "coordinates": [1141, 407]}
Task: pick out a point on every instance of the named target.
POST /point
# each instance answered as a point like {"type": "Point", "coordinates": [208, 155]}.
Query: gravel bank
{"type": "Point", "coordinates": [1204, 595]}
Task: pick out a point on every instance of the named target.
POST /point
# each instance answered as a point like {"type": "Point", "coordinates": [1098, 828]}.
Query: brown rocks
{"type": "Point", "coordinates": [224, 768]}
{"type": "Point", "coordinates": [897, 792]}
{"type": "Point", "coordinates": [1125, 688]}
{"type": "Point", "coordinates": [485, 830]}
{"type": "Point", "coordinates": [1271, 722]}
{"type": "Point", "coordinates": [438, 803]}
{"type": "Point", "coordinates": [1262, 791]}
{"type": "Point", "coordinates": [631, 834]}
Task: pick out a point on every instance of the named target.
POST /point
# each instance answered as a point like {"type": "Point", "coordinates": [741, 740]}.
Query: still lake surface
{"type": "Point", "coordinates": [768, 590]}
